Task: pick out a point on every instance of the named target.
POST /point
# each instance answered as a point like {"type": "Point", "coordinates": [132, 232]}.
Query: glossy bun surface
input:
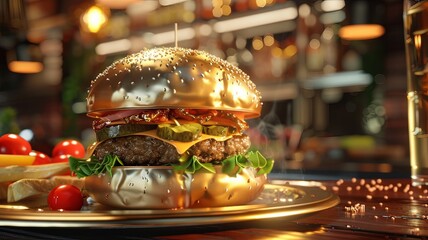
{"type": "Point", "coordinates": [173, 78]}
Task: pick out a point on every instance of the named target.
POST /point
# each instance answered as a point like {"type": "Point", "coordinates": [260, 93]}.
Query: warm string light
{"type": "Point", "coordinates": [25, 67]}
{"type": "Point", "coordinates": [361, 31]}
{"type": "Point", "coordinates": [221, 8]}
{"type": "Point", "coordinates": [418, 41]}
{"type": "Point", "coordinates": [94, 18]}
{"type": "Point", "coordinates": [258, 43]}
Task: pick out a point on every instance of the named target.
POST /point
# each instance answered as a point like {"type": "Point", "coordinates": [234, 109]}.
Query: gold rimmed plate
{"type": "Point", "coordinates": [276, 201]}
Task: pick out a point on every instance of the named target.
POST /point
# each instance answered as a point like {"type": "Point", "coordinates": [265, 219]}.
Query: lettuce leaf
{"type": "Point", "coordinates": [93, 166]}
{"type": "Point", "coordinates": [193, 165]}
{"type": "Point", "coordinates": [232, 165]}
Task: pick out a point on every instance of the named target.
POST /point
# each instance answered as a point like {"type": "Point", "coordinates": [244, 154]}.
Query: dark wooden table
{"type": "Point", "coordinates": [369, 209]}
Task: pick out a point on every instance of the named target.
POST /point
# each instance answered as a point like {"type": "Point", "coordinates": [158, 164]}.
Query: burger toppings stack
{"type": "Point", "coordinates": [175, 107]}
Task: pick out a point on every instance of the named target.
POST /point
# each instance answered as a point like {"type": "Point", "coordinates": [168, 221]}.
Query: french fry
{"type": "Point", "coordinates": [15, 173]}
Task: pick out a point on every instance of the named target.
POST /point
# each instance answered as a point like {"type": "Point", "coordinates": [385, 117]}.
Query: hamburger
{"type": "Point", "coordinates": [170, 126]}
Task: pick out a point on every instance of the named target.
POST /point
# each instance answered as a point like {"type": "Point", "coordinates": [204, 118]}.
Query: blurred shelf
{"type": "Point", "coordinates": [350, 80]}
{"type": "Point", "coordinates": [279, 91]}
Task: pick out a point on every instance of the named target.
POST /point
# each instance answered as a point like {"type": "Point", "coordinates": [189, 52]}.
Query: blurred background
{"type": "Point", "coordinates": [331, 72]}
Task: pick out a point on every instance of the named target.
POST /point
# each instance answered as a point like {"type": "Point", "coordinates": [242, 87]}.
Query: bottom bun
{"type": "Point", "coordinates": [161, 188]}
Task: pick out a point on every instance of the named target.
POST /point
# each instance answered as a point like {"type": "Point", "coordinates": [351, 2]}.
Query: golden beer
{"type": "Point", "coordinates": [416, 41]}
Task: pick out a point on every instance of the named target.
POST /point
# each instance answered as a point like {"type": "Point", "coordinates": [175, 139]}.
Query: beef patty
{"type": "Point", "coordinates": [140, 150]}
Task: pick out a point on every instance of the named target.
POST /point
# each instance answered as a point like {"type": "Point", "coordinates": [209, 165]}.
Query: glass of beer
{"type": "Point", "coordinates": [416, 43]}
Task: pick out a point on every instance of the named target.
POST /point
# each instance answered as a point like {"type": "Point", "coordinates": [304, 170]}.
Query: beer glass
{"type": "Point", "coordinates": [416, 43]}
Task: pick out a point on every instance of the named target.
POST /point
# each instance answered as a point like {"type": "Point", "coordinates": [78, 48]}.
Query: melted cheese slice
{"type": "Point", "coordinates": [181, 147]}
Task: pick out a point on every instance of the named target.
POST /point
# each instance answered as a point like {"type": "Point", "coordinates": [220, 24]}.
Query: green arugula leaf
{"type": "Point", "coordinates": [182, 167]}
{"type": "Point", "coordinates": [257, 159]}
{"type": "Point", "coordinates": [193, 165]}
{"type": "Point", "coordinates": [267, 168]}
{"type": "Point", "coordinates": [228, 166]}
{"type": "Point", "coordinates": [262, 160]}
{"type": "Point", "coordinates": [207, 166]}
{"type": "Point", "coordinates": [253, 158]}
{"type": "Point", "coordinates": [232, 165]}
{"type": "Point", "coordinates": [92, 166]}
{"type": "Point", "coordinates": [242, 161]}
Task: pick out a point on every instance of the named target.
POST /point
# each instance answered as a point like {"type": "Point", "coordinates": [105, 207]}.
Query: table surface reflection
{"type": "Point", "coordinates": [369, 209]}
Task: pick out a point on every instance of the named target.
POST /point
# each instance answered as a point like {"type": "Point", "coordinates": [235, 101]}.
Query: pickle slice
{"type": "Point", "coordinates": [183, 133]}
{"type": "Point", "coordinates": [217, 130]}
{"type": "Point", "coordinates": [122, 130]}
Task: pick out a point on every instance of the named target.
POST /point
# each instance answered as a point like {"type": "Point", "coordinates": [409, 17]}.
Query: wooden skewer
{"type": "Point", "coordinates": [176, 35]}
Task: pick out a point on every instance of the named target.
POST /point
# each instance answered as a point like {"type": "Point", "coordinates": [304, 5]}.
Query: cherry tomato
{"type": "Point", "coordinates": [41, 158]}
{"type": "Point", "coordinates": [60, 158]}
{"type": "Point", "coordinates": [69, 147]}
{"type": "Point", "coordinates": [65, 197]}
{"type": "Point", "coordinates": [14, 144]}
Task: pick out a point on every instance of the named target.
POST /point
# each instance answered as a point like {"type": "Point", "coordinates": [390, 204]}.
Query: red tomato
{"type": "Point", "coordinates": [14, 144]}
{"type": "Point", "coordinates": [69, 147]}
{"type": "Point", "coordinates": [41, 158]}
{"type": "Point", "coordinates": [65, 197]}
{"type": "Point", "coordinates": [60, 158]}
